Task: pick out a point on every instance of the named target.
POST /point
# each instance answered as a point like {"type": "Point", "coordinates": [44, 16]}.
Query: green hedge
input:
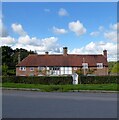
{"type": "Point", "coordinates": [39, 80]}
{"type": "Point", "coordinates": [58, 80]}
{"type": "Point", "coordinates": [98, 79]}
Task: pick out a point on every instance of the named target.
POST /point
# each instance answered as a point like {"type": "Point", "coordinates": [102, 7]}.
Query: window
{"type": "Point", "coordinates": [99, 65]}
{"type": "Point", "coordinates": [31, 68]}
{"type": "Point", "coordinates": [85, 65]}
{"type": "Point", "coordinates": [40, 68]}
{"type": "Point", "coordinates": [22, 68]}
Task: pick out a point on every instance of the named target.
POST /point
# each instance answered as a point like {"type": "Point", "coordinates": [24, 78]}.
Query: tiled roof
{"type": "Point", "coordinates": [63, 60]}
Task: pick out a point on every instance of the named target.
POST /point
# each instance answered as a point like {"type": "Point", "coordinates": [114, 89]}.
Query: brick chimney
{"type": "Point", "coordinates": [105, 53]}
{"type": "Point", "coordinates": [65, 51]}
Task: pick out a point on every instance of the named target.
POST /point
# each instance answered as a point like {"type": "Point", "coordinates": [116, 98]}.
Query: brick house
{"type": "Point", "coordinates": [63, 64]}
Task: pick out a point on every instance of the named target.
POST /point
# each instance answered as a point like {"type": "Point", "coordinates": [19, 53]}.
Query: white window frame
{"type": "Point", "coordinates": [22, 68]}
{"type": "Point", "coordinates": [85, 65]}
{"type": "Point", "coordinates": [99, 65]}
{"type": "Point", "coordinates": [31, 68]}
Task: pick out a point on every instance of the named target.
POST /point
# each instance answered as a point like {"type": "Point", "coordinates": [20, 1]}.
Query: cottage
{"type": "Point", "coordinates": [63, 64]}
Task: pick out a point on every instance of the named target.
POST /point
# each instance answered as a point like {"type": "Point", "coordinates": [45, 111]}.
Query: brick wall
{"type": "Point", "coordinates": [35, 72]}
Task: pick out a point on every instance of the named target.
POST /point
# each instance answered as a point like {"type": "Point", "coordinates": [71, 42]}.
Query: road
{"type": "Point", "coordinates": [32, 104]}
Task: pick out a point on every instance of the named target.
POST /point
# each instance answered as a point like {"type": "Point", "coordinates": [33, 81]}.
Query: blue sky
{"type": "Point", "coordinates": [83, 27]}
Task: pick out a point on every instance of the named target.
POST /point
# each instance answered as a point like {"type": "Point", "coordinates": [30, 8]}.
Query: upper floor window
{"type": "Point", "coordinates": [85, 65]}
{"type": "Point", "coordinates": [40, 68]}
{"type": "Point", "coordinates": [31, 68]}
{"type": "Point", "coordinates": [22, 68]}
{"type": "Point", "coordinates": [99, 65]}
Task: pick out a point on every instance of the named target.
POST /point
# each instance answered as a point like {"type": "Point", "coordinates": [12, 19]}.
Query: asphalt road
{"type": "Point", "coordinates": [30, 104]}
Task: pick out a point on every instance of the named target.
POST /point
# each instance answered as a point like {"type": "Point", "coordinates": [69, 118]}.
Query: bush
{"type": "Point", "coordinates": [98, 79]}
{"type": "Point", "coordinates": [47, 80]}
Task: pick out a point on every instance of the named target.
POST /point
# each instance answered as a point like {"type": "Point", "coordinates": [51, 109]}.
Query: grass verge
{"type": "Point", "coordinates": [62, 88]}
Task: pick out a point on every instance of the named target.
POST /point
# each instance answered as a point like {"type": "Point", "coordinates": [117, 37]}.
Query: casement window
{"type": "Point", "coordinates": [99, 65]}
{"type": "Point", "coordinates": [31, 68]}
{"type": "Point", "coordinates": [85, 65]}
{"type": "Point", "coordinates": [22, 68]}
{"type": "Point", "coordinates": [40, 68]}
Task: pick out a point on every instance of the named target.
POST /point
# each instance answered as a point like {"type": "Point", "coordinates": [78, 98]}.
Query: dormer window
{"type": "Point", "coordinates": [99, 65]}
{"type": "Point", "coordinates": [85, 65]}
{"type": "Point", "coordinates": [22, 68]}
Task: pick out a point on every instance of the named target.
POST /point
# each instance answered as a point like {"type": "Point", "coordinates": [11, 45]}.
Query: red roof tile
{"type": "Point", "coordinates": [62, 60]}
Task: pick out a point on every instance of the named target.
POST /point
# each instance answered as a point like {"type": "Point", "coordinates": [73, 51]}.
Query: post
{"type": "Point", "coordinates": [84, 72]}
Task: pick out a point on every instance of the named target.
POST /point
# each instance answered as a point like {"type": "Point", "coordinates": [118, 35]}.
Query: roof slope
{"type": "Point", "coordinates": [61, 60]}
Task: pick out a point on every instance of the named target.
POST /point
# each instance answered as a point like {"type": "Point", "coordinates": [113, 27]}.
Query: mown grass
{"type": "Point", "coordinates": [62, 88]}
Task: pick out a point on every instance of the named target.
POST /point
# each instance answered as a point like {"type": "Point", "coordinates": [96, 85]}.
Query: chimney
{"type": "Point", "coordinates": [46, 53]}
{"type": "Point", "coordinates": [65, 51]}
{"type": "Point", "coordinates": [105, 53]}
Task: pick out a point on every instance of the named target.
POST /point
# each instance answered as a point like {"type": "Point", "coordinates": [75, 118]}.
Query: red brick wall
{"type": "Point", "coordinates": [103, 71]}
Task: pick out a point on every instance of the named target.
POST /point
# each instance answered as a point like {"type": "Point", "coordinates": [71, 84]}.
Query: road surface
{"type": "Point", "coordinates": [32, 104]}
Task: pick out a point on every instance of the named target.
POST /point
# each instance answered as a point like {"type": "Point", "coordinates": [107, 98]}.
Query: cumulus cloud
{"type": "Point", "coordinates": [40, 45]}
{"type": "Point", "coordinates": [114, 26]}
{"type": "Point", "coordinates": [94, 33]}
{"type": "Point", "coordinates": [17, 28]}
{"type": "Point", "coordinates": [7, 41]}
{"type": "Point", "coordinates": [77, 27]}
{"type": "Point", "coordinates": [113, 32]}
{"type": "Point", "coordinates": [111, 35]}
{"type": "Point", "coordinates": [59, 30]}
{"type": "Point", "coordinates": [97, 48]}
{"type": "Point", "coordinates": [3, 31]}
{"type": "Point", "coordinates": [62, 12]}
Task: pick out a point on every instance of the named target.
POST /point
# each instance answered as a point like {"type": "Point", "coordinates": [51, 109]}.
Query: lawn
{"type": "Point", "coordinates": [62, 88]}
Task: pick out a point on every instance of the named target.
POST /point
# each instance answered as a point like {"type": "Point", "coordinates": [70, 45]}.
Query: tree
{"type": "Point", "coordinates": [4, 69]}
{"type": "Point", "coordinates": [115, 69]}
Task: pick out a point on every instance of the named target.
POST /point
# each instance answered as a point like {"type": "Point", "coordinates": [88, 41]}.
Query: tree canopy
{"type": "Point", "coordinates": [10, 58]}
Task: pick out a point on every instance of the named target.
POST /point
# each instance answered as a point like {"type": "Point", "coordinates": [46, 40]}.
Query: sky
{"type": "Point", "coordinates": [83, 27]}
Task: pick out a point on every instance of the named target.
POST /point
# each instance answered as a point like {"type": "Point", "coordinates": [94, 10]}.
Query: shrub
{"type": "Point", "coordinates": [98, 79]}
{"type": "Point", "coordinates": [47, 80]}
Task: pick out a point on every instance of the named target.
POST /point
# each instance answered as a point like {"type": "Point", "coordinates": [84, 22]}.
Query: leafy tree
{"type": "Point", "coordinates": [115, 68]}
{"type": "Point", "coordinates": [111, 65]}
{"type": "Point", "coordinates": [4, 69]}
{"type": "Point", "coordinates": [10, 58]}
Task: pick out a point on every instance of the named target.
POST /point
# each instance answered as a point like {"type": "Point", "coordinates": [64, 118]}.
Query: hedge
{"type": "Point", "coordinates": [38, 80]}
{"type": "Point", "coordinates": [58, 80]}
{"type": "Point", "coordinates": [98, 79]}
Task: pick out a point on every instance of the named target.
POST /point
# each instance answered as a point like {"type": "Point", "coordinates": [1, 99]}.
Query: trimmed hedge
{"type": "Point", "coordinates": [38, 80]}
{"type": "Point", "coordinates": [60, 80]}
{"type": "Point", "coordinates": [98, 79]}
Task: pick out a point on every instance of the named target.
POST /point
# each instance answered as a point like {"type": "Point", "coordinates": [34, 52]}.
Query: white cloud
{"type": "Point", "coordinates": [59, 30]}
{"type": "Point", "coordinates": [62, 12]}
{"type": "Point", "coordinates": [114, 26]}
{"type": "Point", "coordinates": [7, 41]}
{"type": "Point", "coordinates": [101, 28]}
{"type": "Point", "coordinates": [40, 45]}
{"type": "Point", "coordinates": [94, 33]}
{"type": "Point", "coordinates": [97, 48]}
{"type": "Point", "coordinates": [111, 35]}
{"type": "Point", "coordinates": [77, 27]}
{"type": "Point", "coordinates": [18, 29]}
